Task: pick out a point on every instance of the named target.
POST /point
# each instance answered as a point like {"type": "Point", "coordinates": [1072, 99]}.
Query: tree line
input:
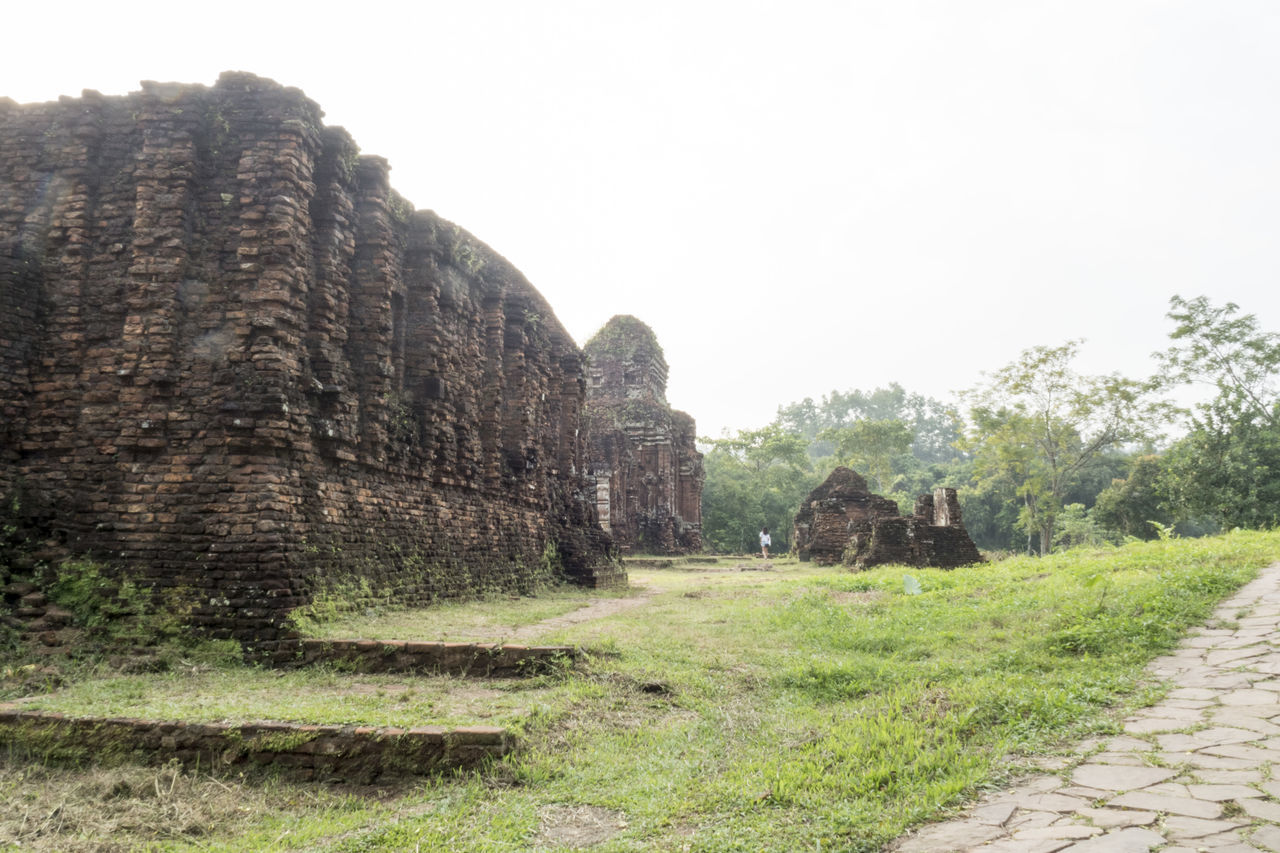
{"type": "Point", "coordinates": [1042, 455]}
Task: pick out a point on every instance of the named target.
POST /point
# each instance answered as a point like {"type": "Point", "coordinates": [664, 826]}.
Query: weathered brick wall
{"type": "Point", "coordinates": [643, 454]}
{"type": "Point", "coordinates": [235, 362]}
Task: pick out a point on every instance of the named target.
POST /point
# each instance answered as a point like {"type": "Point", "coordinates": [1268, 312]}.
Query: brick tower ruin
{"type": "Point", "coordinates": [842, 521]}
{"type": "Point", "coordinates": [239, 366]}
{"type": "Point", "coordinates": [643, 454]}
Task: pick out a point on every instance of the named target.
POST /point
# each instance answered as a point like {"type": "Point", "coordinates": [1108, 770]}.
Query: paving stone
{"type": "Point", "coordinates": [1125, 759]}
{"type": "Point", "coordinates": [1248, 753]}
{"type": "Point", "coordinates": [994, 814]}
{"type": "Point", "coordinates": [1170, 805]}
{"type": "Point", "coordinates": [1267, 837]}
{"type": "Point", "coordinates": [1029, 819]}
{"type": "Point", "coordinates": [1269, 664]}
{"type": "Point", "coordinates": [1169, 712]}
{"type": "Point", "coordinates": [1229, 777]}
{"type": "Point", "coordinates": [1271, 684]}
{"type": "Point", "coordinates": [1221, 793]}
{"type": "Point", "coordinates": [1183, 828]}
{"type": "Point", "coordinates": [1169, 789]}
{"type": "Point", "coordinates": [1130, 840]}
{"type": "Point", "coordinates": [1205, 761]}
{"type": "Point", "coordinates": [1261, 809]}
{"type": "Point", "coordinates": [1008, 845]}
{"type": "Point", "coordinates": [1124, 743]}
{"type": "Point", "coordinates": [953, 836]}
{"type": "Point", "coordinates": [1085, 793]}
{"type": "Point", "coordinates": [1218, 735]}
{"type": "Point", "coordinates": [1052, 803]}
{"type": "Point", "coordinates": [1118, 778]}
{"type": "Point", "coordinates": [1037, 785]}
{"type": "Point", "coordinates": [1272, 788]}
{"type": "Point", "coordinates": [1057, 831]}
{"type": "Point", "coordinates": [1246, 718]}
{"type": "Point", "coordinates": [1146, 726]}
{"type": "Point", "coordinates": [1187, 703]}
{"type": "Point", "coordinates": [1178, 743]}
{"type": "Point", "coordinates": [1244, 637]}
{"type": "Point", "coordinates": [1229, 843]}
{"type": "Point", "coordinates": [1110, 818]}
{"type": "Point", "coordinates": [1192, 693]}
{"type": "Point", "coordinates": [1249, 697]}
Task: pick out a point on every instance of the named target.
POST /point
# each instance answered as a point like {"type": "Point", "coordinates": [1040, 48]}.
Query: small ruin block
{"type": "Point", "coordinates": [842, 521]}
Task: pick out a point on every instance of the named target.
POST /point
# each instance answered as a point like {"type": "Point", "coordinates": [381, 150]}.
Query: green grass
{"type": "Point", "coordinates": [794, 709]}
{"type": "Point", "coordinates": [489, 619]}
{"type": "Point", "coordinates": [316, 695]}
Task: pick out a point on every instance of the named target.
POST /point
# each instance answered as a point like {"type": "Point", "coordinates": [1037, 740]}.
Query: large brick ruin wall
{"type": "Point", "coordinates": [643, 454]}
{"type": "Point", "coordinates": [234, 362]}
{"type": "Point", "coordinates": [842, 521]}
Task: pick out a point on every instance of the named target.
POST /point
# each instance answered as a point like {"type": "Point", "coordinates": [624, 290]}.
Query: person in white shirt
{"type": "Point", "coordinates": [765, 542]}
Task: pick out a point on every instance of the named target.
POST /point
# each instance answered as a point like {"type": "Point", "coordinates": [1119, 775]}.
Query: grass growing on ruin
{"type": "Point", "coordinates": [314, 695]}
{"type": "Point", "coordinates": [798, 708]}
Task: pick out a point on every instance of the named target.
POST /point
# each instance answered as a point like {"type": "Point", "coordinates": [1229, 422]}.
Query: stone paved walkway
{"type": "Point", "coordinates": [1193, 773]}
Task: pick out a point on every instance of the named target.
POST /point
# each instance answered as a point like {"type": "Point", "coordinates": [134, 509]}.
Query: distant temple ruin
{"type": "Point", "coordinates": [237, 365]}
{"type": "Point", "coordinates": [841, 521]}
{"type": "Point", "coordinates": [647, 469]}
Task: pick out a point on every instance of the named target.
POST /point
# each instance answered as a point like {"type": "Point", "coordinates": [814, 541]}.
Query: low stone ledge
{"type": "Point", "coordinates": [474, 659]}
{"type": "Point", "coordinates": [330, 753]}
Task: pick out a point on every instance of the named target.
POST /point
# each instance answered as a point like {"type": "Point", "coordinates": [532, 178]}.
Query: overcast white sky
{"type": "Point", "coordinates": [797, 196]}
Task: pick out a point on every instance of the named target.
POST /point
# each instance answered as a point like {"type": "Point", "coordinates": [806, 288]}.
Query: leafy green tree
{"type": "Point", "coordinates": [1077, 527]}
{"type": "Point", "coordinates": [1227, 468]}
{"type": "Point", "coordinates": [1227, 471]}
{"type": "Point", "coordinates": [754, 478]}
{"type": "Point", "coordinates": [1230, 353]}
{"type": "Point", "coordinates": [934, 426]}
{"type": "Point", "coordinates": [1129, 506]}
{"type": "Point", "coordinates": [871, 447]}
{"type": "Point", "coordinates": [1037, 425]}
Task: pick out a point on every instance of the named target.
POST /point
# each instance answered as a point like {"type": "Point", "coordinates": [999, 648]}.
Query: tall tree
{"type": "Point", "coordinates": [871, 447]}
{"type": "Point", "coordinates": [754, 478]}
{"type": "Point", "coordinates": [1037, 424]}
{"type": "Point", "coordinates": [1229, 352]}
{"type": "Point", "coordinates": [1227, 468]}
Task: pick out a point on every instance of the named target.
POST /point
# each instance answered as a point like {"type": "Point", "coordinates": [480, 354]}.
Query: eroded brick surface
{"type": "Point", "coordinates": [236, 363]}
{"type": "Point", "coordinates": [643, 454]}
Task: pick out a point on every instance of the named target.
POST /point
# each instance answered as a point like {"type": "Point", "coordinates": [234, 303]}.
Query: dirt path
{"type": "Point", "coordinates": [596, 610]}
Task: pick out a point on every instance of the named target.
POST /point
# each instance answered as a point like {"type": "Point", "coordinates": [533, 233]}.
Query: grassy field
{"type": "Point", "coordinates": [796, 708]}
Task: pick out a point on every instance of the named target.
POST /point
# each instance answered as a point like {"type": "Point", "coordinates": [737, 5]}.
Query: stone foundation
{"type": "Point", "coordinates": [466, 659]}
{"type": "Point", "coordinates": [360, 754]}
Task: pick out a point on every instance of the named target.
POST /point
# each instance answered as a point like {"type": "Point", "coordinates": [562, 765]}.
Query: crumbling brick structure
{"type": "Point", "coordinates": [841, 521]}
{"type": "Point", "coordinates": [642, 453]}
{"type": "Point", "coordinates": [237, 364]}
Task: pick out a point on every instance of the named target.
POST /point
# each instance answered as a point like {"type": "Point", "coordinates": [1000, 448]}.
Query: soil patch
{"type": "Point", "coordinates": [577, 827]}
{"type": "Point", "coordinates": [595, 610]}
